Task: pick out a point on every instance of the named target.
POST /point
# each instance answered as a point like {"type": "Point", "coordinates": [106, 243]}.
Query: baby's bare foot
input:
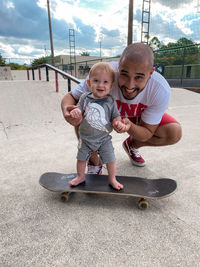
{"type": "Point", "coordinates": [116, 185]}
{"type": "Point", "coordinates": [76, 181]}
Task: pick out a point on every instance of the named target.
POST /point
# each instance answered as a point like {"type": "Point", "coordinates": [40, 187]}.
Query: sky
{"type": "Point", "coordinates": [24, 28]}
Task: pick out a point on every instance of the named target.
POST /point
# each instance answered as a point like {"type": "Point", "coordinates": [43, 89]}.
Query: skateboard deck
{"type": "Point", "coordinates": [133, 186]}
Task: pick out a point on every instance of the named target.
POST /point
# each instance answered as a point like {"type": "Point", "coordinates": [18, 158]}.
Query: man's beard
{"type": "Point", "coordinates": [126, 92]}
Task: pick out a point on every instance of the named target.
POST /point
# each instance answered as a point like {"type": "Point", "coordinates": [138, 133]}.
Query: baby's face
{"type": "Point", "coordinates": [100, 83]}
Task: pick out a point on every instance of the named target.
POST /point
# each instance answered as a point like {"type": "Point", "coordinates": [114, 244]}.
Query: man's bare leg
{"type": "Point", "coordinates": [167, 134]}
{"type": "Point", "coordinates": [80, 178]}
{"type": "Point", "coordinates": [111, 167]}
{"type": "Point", "coordinates": [94, 158]}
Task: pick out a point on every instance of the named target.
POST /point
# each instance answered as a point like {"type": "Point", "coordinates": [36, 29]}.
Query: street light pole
{"type": "Point", "coordinates": [100, 48]}
{"type": "Point", "coordinates": [100, 39]}
{"type": "Point", "coordinates": [198, 11]}
{"type": "Point", "coordinates": [130, 23]}
{"type": "Point", "coordinates": [50, 33]}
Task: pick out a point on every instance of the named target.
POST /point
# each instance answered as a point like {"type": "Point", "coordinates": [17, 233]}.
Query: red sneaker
{"type": "Point", "coordinates": [133, 153]}
{"type": "Point", "coordinates": [92, 169]}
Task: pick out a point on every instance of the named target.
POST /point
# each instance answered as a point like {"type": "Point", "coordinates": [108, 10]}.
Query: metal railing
{"type": "Point", "coordinates": [56, 70]}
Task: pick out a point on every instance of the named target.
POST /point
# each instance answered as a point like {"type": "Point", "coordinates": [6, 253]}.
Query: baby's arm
{"type": "Point", "coordinates": [121, 125]}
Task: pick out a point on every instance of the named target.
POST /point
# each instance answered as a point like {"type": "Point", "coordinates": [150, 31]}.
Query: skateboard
{"type": "Point", "coordinates": [142, 188]}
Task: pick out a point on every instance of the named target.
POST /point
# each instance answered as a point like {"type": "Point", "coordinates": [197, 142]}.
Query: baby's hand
{"type": "Point", "coordinates": [122, 126]}
{"type": "Point", "coordinates": [68, 117]}
{"type": "Point", "coordinates": [76, 113]}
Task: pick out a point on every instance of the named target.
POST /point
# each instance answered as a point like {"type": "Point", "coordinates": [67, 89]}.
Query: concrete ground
{"type": "Point", "coordinates": [37, 229]}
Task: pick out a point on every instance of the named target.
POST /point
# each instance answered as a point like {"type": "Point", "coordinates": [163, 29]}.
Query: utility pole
{"type": "Point", "coordinates": [100, 39]}
{"type": "Point", "coordinates": [50, 34]}
{"type": "Point", "coordinates": [45, 53]}
{"type": "Point", "coordinates": [198, 11]}
{"type": "Point", "coordinates": [130, 23]}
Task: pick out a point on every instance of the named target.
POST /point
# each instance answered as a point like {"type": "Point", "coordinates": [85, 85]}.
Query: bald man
{"type": "Point", "coordinates": [142, 96]}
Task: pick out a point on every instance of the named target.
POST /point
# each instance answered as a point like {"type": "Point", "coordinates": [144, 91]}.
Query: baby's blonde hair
{"type": "Point", "coordinates": [102, 66]}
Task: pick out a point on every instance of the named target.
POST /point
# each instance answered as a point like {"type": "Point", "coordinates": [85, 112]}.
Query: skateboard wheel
{"type": "Point", "coordinates": [143, 204]}
{"type": "Point", "coordinates": [64, 196]}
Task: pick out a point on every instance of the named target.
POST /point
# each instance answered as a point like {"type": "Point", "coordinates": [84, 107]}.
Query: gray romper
{"type": "Point", "coordinates": [96, 126]}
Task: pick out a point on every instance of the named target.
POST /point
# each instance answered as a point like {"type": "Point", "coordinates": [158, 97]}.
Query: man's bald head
{"type": "Point", "coordinates": [138, 53]}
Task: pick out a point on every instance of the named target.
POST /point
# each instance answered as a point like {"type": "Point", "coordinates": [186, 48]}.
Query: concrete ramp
{"type": "Point", "coordinates": [27, 107]}
{"type": "Point", "coordinates": [5, 73]}
{"type": "Point", "coordinates": [37, 229]}
{"type": "Point", "coordinates": [27, 102]}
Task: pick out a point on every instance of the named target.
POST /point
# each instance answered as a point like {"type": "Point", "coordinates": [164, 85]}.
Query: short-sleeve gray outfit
{"type": "Point", "coordinates": [96, 126]}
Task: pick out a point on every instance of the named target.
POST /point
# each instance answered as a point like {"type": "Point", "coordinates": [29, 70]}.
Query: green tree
{"type": "Point", "coordinates": [85, 53]}
{"type": "Point", "coordinates": [38, 61]}
{"type": "Point", "coordinates": [2, 61]}
{"type": "Point", "coordinates": [175, 53]}
{"type": "Point", "coordinates": [155, 43]}
{"type": "Point", "coordinates": [184, 41]}
{"type": "Point", "coordinates": [14, 66]}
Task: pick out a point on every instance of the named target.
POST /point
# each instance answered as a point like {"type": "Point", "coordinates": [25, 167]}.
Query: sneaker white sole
{"type": "Point", "coordinates": [138, 164]}
{"type": "Point", "coordinates": [94, 172]}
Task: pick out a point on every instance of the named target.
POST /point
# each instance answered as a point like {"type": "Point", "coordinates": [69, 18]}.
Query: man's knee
{"type": "Point", "coordinates": [169, 134]}
{"type": "Point", "coordinates": [173, 133]}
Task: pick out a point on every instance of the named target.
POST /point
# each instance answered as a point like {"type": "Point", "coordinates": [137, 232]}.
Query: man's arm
{"type": "Point", "coordinates": [69, 103]}
{"type": "Point", "coordinates": [142, 132]}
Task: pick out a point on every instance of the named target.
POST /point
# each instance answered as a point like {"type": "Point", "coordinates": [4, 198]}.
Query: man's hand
{"type": "Point", "coordinates": [121, 126]}
{"type": "Point", "coordinates": [72, 115]}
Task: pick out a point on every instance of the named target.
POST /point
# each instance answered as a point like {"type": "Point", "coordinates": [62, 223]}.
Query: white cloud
{"type": "Point", "coordinates": [114, 16]}
{"type": "Point", "coordinates": [9, 50]}
{"type": "Point", "coordinates": [177, 21]}
{"type": "Point", "coordinates": [169, 22]}
{"type": "Point", "coordinates": [10, 4]}
{"type": "Point", "coordinates": [26, 49]}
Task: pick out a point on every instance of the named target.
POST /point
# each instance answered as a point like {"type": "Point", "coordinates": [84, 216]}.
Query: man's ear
{"type": "Point", "coordinates": [88, 82]}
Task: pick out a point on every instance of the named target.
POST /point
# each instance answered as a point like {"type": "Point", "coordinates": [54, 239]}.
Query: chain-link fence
{"type": "Point", "coordinates": [180, 65]}
{"type": "Point", "coordinates": [82, 68]}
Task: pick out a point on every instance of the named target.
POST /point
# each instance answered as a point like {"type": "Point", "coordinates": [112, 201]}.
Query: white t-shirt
{"type": "Point", "coordinates": [150, 104]}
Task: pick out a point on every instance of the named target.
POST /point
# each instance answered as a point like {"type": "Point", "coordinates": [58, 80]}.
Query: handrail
{"type": "Point", "coordinates": [48, 66]}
